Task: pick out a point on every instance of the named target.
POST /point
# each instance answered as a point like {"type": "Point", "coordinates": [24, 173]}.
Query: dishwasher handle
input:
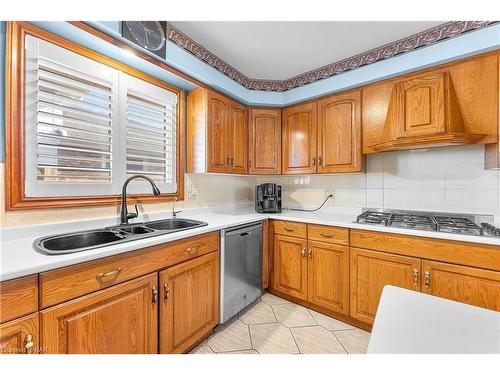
{"type": "Point", "coordinates": [242, 231]}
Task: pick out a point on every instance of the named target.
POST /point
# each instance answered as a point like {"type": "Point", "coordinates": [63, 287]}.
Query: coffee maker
{"type": "Point", "coordinates": [268, 198]}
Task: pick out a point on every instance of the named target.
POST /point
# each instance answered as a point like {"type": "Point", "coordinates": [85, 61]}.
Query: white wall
{"type": "Point", "coordinates": [441, 179]}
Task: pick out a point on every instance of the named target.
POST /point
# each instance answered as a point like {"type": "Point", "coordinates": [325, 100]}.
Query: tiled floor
{"type": "Point", "coordinates": [273, 325]}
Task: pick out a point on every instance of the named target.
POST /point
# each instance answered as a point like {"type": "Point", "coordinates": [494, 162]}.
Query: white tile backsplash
{"type": "Point", "coordinates": [439, 179]}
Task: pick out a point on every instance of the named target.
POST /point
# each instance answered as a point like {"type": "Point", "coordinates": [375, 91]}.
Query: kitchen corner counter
{"type": "Point", "coordinates": [17, 257]}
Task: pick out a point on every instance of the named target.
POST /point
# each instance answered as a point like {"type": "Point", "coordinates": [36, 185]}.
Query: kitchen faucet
{"type": "Point", "coordinates": [174, 212]}
{"type": "Point", "coordinates": [125, 216]}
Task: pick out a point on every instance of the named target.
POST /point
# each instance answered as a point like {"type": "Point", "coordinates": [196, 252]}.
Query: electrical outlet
{"type": "Point", "coordinates": [330, 192]}
{"type": "Point", "coordinates": [192, 194]}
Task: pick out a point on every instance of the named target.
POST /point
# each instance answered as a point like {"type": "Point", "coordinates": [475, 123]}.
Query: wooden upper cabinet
{"type": "Point", "coordinates": [453, 104]}
{"type": "Point", "coordinates": [370, 271]}
{"type": "Point", "coordinates": [264, 141]}
{"type": "Point", "coordinates": [20, 336]}
{"type": "Point", "coordinates": [469, 285]}
{"type": "Point", "coordinates": [189, 303]}
{"type": "Point", "coordinates": [218, 133]}
{"type": "Point", "coordinates": [238, 143]}
{"type": "Point", "coordinates": [290, 266]}
{"type": "Point", "coordinates": [299, 135]}
{"type": "Point", "coordinates": [339, 133]}
{"type": "Point", "coordinates": [423, 105]}
{"type": "Point", "coordinates": [328, 276]}
{"type": "Point", "coordinates": [121, 319]}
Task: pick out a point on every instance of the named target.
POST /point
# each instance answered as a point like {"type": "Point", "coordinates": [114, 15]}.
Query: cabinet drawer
{"type": "Point", "coordinates": [325, 233]}
{"type": "Point", "coordinates": [290, 228]}
{"type": "Point", "coordinates": [18, 297]}
{"type": "Point", "coordinates": [74, 281]}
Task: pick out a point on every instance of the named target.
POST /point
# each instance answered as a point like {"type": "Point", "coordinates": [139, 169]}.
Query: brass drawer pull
{"type": "Point", "coordinates": [288, 229]}
{"type": "Point", "coordinates": [427, 279]}
{"type": "Point", "coordinates": [310, 253]}
{"type": "Point", "coordinates": [415, 277]}
{"type": "Point", "coordinates": [28, 343]}
{"type": "Point", "coordinates": [195, 247]}
{"type": "Point", "coordinates": [327, 235]}
{"type": "Point", "coordinates": [166, 292]}
{"type": "Point", "coordinates": [102, 275]}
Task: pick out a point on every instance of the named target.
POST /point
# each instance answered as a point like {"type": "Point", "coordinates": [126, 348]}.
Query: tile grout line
{"type": "Point", "coordinates": [340, 342]}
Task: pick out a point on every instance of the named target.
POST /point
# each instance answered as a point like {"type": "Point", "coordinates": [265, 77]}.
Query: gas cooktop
{"type": "Point", "coordinates": [476, 225]}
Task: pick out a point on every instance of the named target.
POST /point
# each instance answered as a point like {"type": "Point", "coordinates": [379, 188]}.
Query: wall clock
{"type": "Point", "coordinates": [150, 35]}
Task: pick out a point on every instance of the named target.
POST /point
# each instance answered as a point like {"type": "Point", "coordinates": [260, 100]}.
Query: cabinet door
{"type": "Point", "coordinates": [189, 303]}
{"type": "Point", "coordinates": [121, 319]}
{"type": "Point", "coordinates": [20, 336]}
{"type": "Point", "coordinates": [218, 133]}
{"type": "Point", "coordinates": [264, 150]}
{"type": "Point", "coordinates": [328, 276]}
{"type": "Point", "coordinates": [463, 284]}
{"type": "Point", "coordinates": [239, 139]}
{"type": "Point", "coordinates": [299, 139]}
{"type": "Point", "coordinates": [339, 133]}
{"type": "Point", "coordinates": [422, 105]}
{"type": "Point", "coordinates": [371, 271]}
{"type": "Point", "coordinates": [290, 266]}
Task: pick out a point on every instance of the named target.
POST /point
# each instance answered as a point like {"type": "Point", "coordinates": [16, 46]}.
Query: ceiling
{"type": "Point", "coordinates": [282, 50]}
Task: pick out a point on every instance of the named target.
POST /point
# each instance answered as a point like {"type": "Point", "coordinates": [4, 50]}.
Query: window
{"type": "Point", "coordinates": [89, 125]}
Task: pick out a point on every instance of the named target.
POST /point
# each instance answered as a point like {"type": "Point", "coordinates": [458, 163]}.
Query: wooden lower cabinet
{"type": "Point", "coordinates": [121, 319]}
{"type": "Point", "coordinates": [463, 284]}
{"type": "Point", "coordinates": [189, 306]}
{"type": "Point", "coordinates": [20, 336]}
{"type": "Point", "coordinates": [328, 276]}
{"type": "Point", "coordinates": [371, 271]}
{"type": "Point", "coordinates": [290, 266]}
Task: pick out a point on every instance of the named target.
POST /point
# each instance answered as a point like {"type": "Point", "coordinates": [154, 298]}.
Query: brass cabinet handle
{"type": "Point", "coordinates": [28, 343]}
{"type": "Point", "coordinates": [303, 252]}
{"type": "Point", "coordinates": [155, 295]}
{"type": "Point", "coordinates": [166, 292]}
{"type": "Point", "coordinates": [227, 161]}
{"type": "Point", "coordinates": [102, 275]}
{"type": "Point", "coordinates": [196, 246]}
{"type": "Point", "coordinates": [310, 253]}
{"type": "Point", "coordinates": [320, 161]}
{"type": "Point", "coordinates": [232, 161]}
{"type": "Point", "coordinates": [327, 235]}
{"type": "Point", "coordinates": [314, 161]}
{"type": "Point", "coordinates": [415, 276]}
{"type": "Point", "coordinates": [427, 279]}
{"type": "Point", "coordinates": [288, 229]}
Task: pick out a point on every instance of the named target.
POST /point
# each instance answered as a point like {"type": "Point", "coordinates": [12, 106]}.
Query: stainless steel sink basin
{"type": "Point", "coordinates": [172, 224]}
{"type": "Point", "coordinates": [79, 241]}
{"type": "Point", "coordinates": [93, 239]}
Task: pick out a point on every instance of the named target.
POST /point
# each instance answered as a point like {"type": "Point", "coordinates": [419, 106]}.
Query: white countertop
{"type": "Point", "coordinates": [17, 257]}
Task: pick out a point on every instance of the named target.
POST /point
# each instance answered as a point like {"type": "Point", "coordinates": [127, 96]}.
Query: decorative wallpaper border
{"type": "Point", "coordinates": [405, 45]}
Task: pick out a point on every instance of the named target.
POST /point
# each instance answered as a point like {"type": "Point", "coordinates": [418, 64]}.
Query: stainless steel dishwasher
{"type": "Point", "coordinates": [241, 268]}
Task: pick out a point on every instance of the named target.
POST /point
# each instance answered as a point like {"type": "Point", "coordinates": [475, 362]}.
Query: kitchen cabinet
{"type": "Point", "coordinates": [309, 270]}
{"type": "Point", "coordinates": [339, 133]}
{"type": "Point", "coordinates": [18, 297]}
{"type": "Point", "coordinates": [122, 319]}
{"type": "Point", "coordinates": [217, 133]}
{"type": "Point", "coordinates": [469, 285]}
{"type": "Point", "coordinates": [328, 276]}
{"type": "Point", "coordinates": [238, 140]}
{"type": "Point", "coordinates": [370, 271]}
{"type": "Point", "coordinates": [299, 142]}
{"type": "Point", "coordinates": [20, 336]}
{"type": "Point", "coordinates": [189, 306]}
{"type": "Point", "coordinates": [264, 141]}
{"type": "Point", "coordinates": [290, 266]}
{"type": "Point", "coordinates": [453, 104]}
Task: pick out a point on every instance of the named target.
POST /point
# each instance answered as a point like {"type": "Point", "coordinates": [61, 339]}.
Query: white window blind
{"type": "Point", "coordinates": [150, 131]}
{"type": "Point", "coordinates": [88, 126]}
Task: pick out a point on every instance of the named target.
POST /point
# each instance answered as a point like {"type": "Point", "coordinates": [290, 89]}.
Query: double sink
{"type": "Point", "coordinates": [91, 239]}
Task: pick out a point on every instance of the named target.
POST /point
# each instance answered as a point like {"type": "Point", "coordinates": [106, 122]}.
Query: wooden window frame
{"type": "Point", "coordinates": [15, 198]}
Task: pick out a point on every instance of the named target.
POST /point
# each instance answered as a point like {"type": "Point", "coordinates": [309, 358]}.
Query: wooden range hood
{"type": "Point", "coordinates": [424, 112]}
